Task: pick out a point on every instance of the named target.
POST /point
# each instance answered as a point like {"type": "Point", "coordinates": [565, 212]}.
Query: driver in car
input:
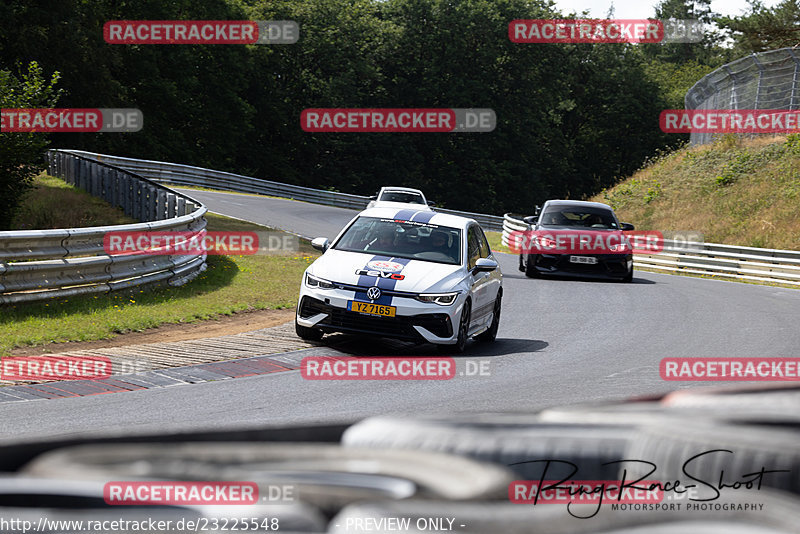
{"type": "Point", "coordinates": [385, 240]}
{"type": "Point", "coordinates": [439, 242]}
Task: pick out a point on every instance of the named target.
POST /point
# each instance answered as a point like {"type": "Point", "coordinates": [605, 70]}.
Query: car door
{"type": "Point", "coordinates": [480, 282]}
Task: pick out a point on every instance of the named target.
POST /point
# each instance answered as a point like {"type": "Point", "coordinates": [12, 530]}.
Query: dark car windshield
{"type": "Point", "coordinates": [578, 217]}
{"type": "Point", "coordinates": [402, 196]}
{"type": "Point", "coordinates": [403, 239]}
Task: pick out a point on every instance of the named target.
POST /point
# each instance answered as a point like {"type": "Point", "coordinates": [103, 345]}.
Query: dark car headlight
{"type": "Point", "coordinates": [313, 281]}
{"type": "Point", "coordinates": [442, 299]}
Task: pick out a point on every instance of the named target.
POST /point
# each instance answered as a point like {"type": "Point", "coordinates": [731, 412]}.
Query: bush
{"type": "Point", "coordinates": [21, 154]}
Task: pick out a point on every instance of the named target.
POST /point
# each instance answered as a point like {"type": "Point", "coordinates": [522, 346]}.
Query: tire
{"type": "Point", "coordinates": [530, 269]}
{"type": "Point", "coordinates": [326, 476]}
{"type": "Point", "coordinates": [670, 444]}
{"type": "Point", "coordinates": [512, 440]}
{"type": "Point", "coordinates": [628, 277]}
{"type": "Point", "coordinates": [755, 406]}
{"type": "Point", "coordinates": [521, 264]}
{"type": "Point", "coordinates": [308, 334]}
{"type": "Point", "coordinates": [491, 333]}
{"type": "Point", "coordinates": [463, 332]}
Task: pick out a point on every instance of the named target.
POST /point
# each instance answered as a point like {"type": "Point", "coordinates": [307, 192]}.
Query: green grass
{"type": "Point", "coordinates": [734, 191]}
{"type": "Point", "coordinates": [230, 284]}
{"type": "Point", "coordinates": [495, 241]}
{"type": "Point", "coordinates": [52, 203]}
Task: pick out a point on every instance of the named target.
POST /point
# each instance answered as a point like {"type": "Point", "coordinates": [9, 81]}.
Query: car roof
{"type": "Point", "coordinates": [577, 203]}
{"type": "Point", "coordinates": [410, 214]}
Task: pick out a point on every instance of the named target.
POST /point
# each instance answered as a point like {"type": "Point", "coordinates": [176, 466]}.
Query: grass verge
{"type": "Point", "coordinates": [52, 203]}
{"type": "Point", "coordinates": [734, 191]}
{"type": "Point", "coordinates": [230, 284]}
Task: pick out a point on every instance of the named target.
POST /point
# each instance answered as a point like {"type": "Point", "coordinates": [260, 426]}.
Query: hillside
{"type": "Point", "coordinates": [741, 192]}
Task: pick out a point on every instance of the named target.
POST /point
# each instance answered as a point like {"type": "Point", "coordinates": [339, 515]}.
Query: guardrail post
{"type": "Point", "coordinates": [92, 179]}
{"type": "Point", "coordinates": [72, 170]}
{"type": "Point", "coordinates": [171, 205]}
{"type": "Point", "coordinates": [130, 195]}
{"type": "Point", "coordinates": [161, 204]}
{"type": "Point", "coordinates": [141, 201]}
{"type": "Point", "coordinates": [152, 203]}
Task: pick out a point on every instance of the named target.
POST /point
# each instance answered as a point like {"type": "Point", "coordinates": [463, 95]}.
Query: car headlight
{"type": "Point", "coordinates": [625, 246]}
{"type": "Point", "coordinates": [313, 281]}
{"type": "Point", "coordinates": [442, 299]}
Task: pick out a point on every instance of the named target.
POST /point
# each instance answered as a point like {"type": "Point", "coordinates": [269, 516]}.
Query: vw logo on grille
{"type": "Point", "coordinates": [374, 293]}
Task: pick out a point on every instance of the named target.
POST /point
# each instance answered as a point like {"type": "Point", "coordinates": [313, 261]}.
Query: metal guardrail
{"type": "Point", "coordinates": [42, 264]}
{"type": "Point", "coordinates": [176, 174]}
{"type": "Point", "coordinates": [767, 80]}
{"type": "Point", "coordinates": [727, 261]}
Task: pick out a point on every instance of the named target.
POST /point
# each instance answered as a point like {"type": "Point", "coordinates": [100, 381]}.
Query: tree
{"type": "Point", "coordinates": [21, 154]}
{"type": "Point", "coordinates": [764, 28]}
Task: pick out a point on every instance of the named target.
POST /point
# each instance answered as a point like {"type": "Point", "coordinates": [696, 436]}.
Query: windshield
{"type": "Point", "coordinates": [402, 196]}
{"type": "Point", "coordinates": [579, 217]}
{"type": "Point", "coordinates": [403, 239]}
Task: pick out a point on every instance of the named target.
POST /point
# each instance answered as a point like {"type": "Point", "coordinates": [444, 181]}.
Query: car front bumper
{"type": "Point", "coordinates": [414, 320]}
{"type": "Point", "coordinates": [607, 266]}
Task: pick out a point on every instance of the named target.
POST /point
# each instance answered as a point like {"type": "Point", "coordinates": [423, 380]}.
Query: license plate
{"type": "Point", "coordinates": [590, 260]}
{"type": "Point", "coordinates": [371, 309]}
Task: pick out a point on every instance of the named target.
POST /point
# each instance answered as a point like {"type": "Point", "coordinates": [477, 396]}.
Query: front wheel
{"type": "Point", "coordinates": [463, 333]}
{"type": "Point", "coordinates": [628, 277]}
{"type": "Point", "coordinates": [308, 334]}
{"type": "Point", "coordinates": [491, 333]}
{"type": "Point", "coordinates": [530, 269]}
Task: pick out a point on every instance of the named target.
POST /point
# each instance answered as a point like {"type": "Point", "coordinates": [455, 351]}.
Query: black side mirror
{"type": "Point", "coordinates": [431, 203]}
{"type": "Point", "coordinates": [530, 219]}
{"type": "Point", "coordinates": [627, 227]}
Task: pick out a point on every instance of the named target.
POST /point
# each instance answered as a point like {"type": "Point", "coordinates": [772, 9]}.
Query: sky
{"type": "Point", "coordinates": [639, 9]}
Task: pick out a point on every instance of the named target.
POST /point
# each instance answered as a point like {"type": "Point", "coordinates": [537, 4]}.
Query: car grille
{"type": "Point", "coordinates": [400, 327]}
{"type": "Point", "coordinates": [607, 264]}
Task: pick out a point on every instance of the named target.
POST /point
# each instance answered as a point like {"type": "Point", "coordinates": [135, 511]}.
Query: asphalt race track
{"type": "Point", "coordinates": [560, 342]}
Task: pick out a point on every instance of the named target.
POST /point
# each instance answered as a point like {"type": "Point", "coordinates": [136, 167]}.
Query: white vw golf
{"type": "Point", "coordinates": [406, 274]}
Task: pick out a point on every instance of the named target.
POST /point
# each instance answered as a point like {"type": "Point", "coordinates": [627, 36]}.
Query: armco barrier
{"type": "Point", "coordinates": [728, 261]}
{"type": "Point", "coordinates": [176, 174]}
{"type": "Point", "coordinates": [42, 264]}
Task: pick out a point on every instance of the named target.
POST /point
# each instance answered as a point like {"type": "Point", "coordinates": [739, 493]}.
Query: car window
{"type": "Point", "coordinates": [401, 196]}
{"type": "Point", "coordinates": [474, 247]}
{"type": "Point", "coordinates": [402, 239]}
{"type": "Point", "coordinates": [486, 251]}
{"type": "Point", "coordinates": [579, 217]}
